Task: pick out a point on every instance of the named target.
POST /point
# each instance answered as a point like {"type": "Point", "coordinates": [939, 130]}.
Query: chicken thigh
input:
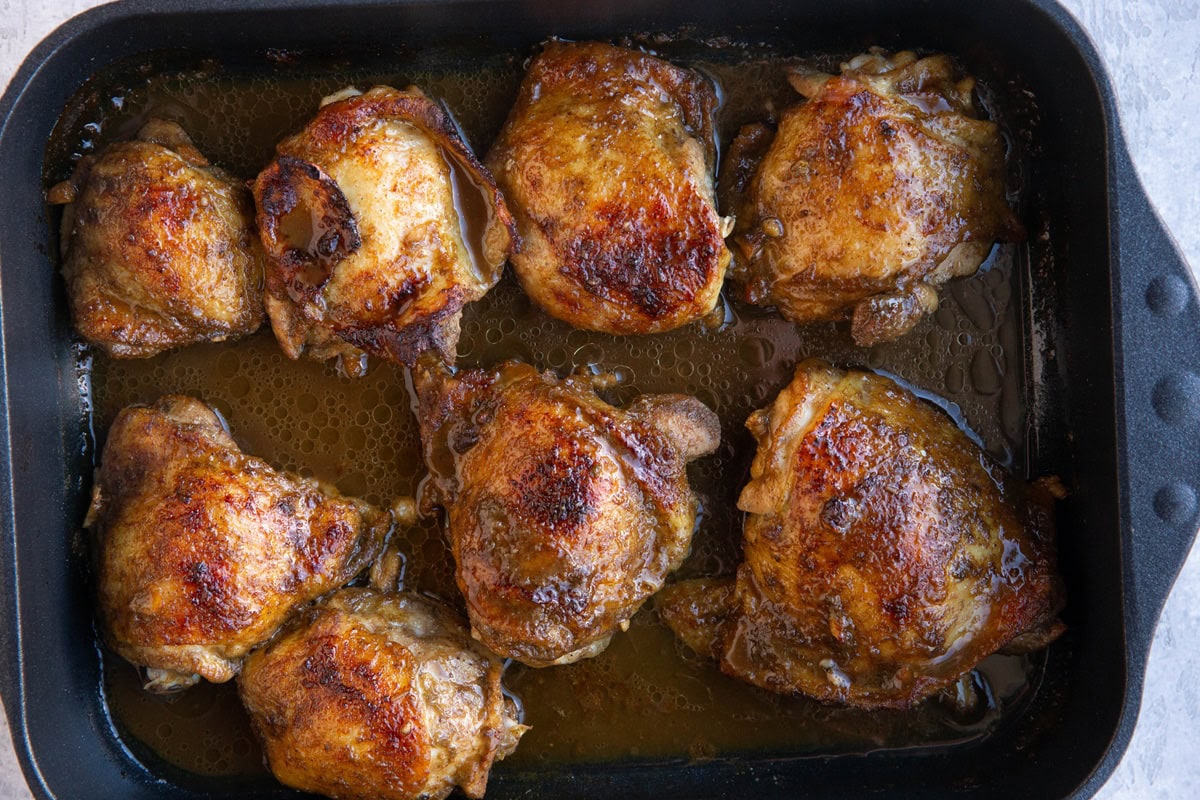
{"type": "Point", "coordinates": [379, 226]}
{"type": "Point", "coordinates": [881, 187]}
{"type": "Point", "coordinates": [885, 555]}
{"type": "Point", "coordinates": [607, 160]}
{"type": "Point", "coordinates": [203, 550]}
{"type": "Point", "coordinates": [158, 247]}
{"type": "Point", "coordinates": [564, 513]}
{"type": "Point", "coordinates": [372, 695]}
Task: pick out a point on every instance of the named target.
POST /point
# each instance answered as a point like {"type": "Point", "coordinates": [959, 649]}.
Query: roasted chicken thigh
{"type": "Point", "coordinates": [564, 513]}
{"type": "Point", "coordinates": [203, 550]}
{"type": "Point", "coordinates": [881, 187]}
{"type": "Point", "coordinates": [371, 695]}
{"type": "Point", "coordinates": [885, 555]}
{"type": "Point", "coordinates": [158, 247]}
{"type": "Point", "coordinates": [607, 160]}
{"type": "Point", "coordinates": [379, 225]}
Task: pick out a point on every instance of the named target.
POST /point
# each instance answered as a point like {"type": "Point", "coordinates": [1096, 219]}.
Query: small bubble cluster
{"type": "Point", "coordinates": [359, 435]}
{"type": "Point", "coordinates": [203, 729]}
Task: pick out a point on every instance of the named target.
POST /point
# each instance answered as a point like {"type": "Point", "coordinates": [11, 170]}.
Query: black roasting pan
{"type": "Point", "coordinates": [1112, 369]}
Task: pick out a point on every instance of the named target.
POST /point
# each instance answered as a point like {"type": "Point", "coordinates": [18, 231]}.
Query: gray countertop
{"type": "Point", "coordinates": [1152, 51]}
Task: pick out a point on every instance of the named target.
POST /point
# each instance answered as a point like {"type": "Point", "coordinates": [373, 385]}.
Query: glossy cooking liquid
{"type": "Point", "coordinates": [646, 696]}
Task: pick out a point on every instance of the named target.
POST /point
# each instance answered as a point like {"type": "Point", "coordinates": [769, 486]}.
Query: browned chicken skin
{"type": "Point", "coordinates": [884, 555]}
{"type": "Point", "coordinates": [879, 188]}
{"type": "Point", "coordinates": [607, 161]}
{"type": "Point", "coordinates": [371, 695]}
{"type": "Point", "coordinates": [158, 247]}
{"type": "Point", "coordinates": [203, 550]}
{"type": "Point", "coordinates": [564, 513]}
{"type": "Point", "coordinates": [368, 251]}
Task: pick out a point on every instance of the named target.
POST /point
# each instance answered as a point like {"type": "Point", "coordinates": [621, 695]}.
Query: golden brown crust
{"type": "Point", "coordinates": [369, 247]}
{"type": "Point", "coordinates": [883, 558]}
{"type": "Point", "coordinates": [884, 555]}
{"type": "Point", "coordinates": [159, 248]}
{"type": "Point", "coordinates": [379, 696]}
{"type": "Point", "coordinates": [203, 550]}
{"type": "Point", "coordinates": [699, 612]}
{"type": "Point", "coordinates": [865, 190]}
{"type": "Point", "coordinates": [607, 159]}
{"type": "Point", "coordinates": [564, 513]}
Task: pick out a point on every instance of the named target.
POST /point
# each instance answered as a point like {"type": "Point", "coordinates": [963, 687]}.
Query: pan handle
{"type": "Point", "coordinates": [1157, 316]}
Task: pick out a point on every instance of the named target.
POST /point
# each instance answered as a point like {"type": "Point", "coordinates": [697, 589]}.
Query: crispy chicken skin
{"type": "Point", "coordinates": [564, 513]}
{"type": "Point", "coordinates": [203, 550]}
{"type": "Point", "coordinates": [368, 253]}
{"type": "Point", "coordinates": [607, 160]}
{"type": "Point", "coordinates": [371, 695]}
{"type": "Point", "coordinates": [885, 555]}
{"type": "Point", "coordinates": [878, 189]}
{"type": "Point", "coordinates": [158, 247]}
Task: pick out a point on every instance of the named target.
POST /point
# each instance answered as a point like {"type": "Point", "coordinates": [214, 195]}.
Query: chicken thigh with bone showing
{"type": "Point", "coordinates": [379, 226]}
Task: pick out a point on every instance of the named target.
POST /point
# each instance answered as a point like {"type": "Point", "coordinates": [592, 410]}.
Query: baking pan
{"type": "Point", "coordinates": [1111, 372]}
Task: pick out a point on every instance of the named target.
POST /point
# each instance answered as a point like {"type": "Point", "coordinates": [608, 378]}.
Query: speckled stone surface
{"type": "Point", "coordinates": [1152, 51]}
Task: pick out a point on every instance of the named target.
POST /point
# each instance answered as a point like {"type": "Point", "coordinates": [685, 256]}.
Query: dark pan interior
{"type": "Point", "coordinates": [1049, 750]}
